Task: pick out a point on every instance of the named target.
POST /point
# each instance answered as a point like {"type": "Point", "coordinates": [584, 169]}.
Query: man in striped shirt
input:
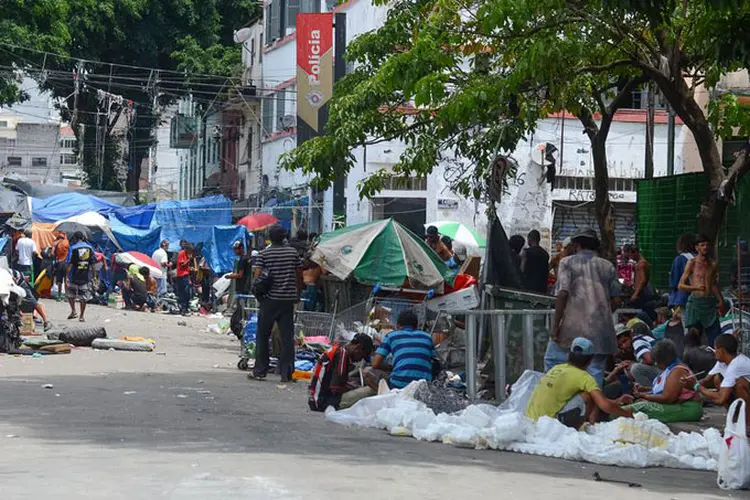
{"type": "Point", "coordinates": [283, 265]}
{"type": "Point", "coordinates": [636, 342]}
{"type": "Point", "coordinates": [412, 351]}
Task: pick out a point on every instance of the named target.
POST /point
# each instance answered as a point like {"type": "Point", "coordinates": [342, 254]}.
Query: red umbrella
{"type": "Point", "coordinates": [140, 260]}
{"type": "Point", "coordinates": [256, 222]}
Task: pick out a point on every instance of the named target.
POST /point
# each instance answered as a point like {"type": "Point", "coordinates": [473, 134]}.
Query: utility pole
{"type": "Point", "coordinates": [77, 77]}
{"type": "Point", "coordinates": [670, 140]}
{"type": "Point", "coordinates": [649, 167]}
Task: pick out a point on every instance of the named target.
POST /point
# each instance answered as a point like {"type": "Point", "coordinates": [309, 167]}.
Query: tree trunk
{"type": "Point", "coordinates": [604, 214]}
{"type": "Point", "coordinates": [714, 207]}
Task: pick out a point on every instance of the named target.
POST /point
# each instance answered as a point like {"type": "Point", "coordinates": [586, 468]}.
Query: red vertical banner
{"type": "Point", "coordinates": [314, 68]}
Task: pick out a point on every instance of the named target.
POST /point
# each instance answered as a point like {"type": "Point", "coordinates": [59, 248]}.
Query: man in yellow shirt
{"type": "Point", "coordinates": [570, 394]}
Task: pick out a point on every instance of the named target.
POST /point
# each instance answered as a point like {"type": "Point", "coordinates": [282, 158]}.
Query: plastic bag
{"type": "Point", "coordinates": [251, 329]}
{"type": "Point", "coordinates": [734, 459]}
{"type": "Point", "coordinates": [520, 392]}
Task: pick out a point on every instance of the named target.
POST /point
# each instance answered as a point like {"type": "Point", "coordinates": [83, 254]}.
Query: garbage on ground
{"type": "Point", "coordinates": [220, 328]}
{"type": "Point", "coordinates": [48, 386]}
{"type": "Point", "coordinates": [637, 442]}
{"type": "Point", "coordinates": [123, 345]}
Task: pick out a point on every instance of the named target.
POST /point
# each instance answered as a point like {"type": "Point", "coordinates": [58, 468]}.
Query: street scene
{"type": "Point", "coordinates": [314, 249]}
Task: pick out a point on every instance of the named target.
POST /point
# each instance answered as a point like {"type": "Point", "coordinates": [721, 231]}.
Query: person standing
{"type": "Point", "coordinates": [161, 257]}
{"type": "Point", "coordinates": [242, 274]}
{"type": "Point", "coordinates": [26, 250]}
{"type": "Point", "coordinates": [535, 264]}
{"type": "Point", "coordinates": [60, 249]}
{"type": "Point", "coordinates": [516, 243]}
{"type": "Point", "coordinates": [81, 260]}
{"type": "Point", "coordinates": [686, 251]}
{"type": "Point", "coordinates": [182, 277]}
{"type": "Point", "coordinates": [705, 304]}
{"type": "Point", "coordinates": [279, 266]}
{"type": "Point", "coordinates": [643, 291]}
{"type": "Point", "coordinates": [587, 284]}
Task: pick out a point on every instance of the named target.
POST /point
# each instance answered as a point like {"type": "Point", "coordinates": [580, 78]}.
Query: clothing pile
{"type": "Point", "coordinates": [638, 442]}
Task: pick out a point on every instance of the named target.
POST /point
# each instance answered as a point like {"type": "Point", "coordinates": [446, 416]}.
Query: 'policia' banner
{"type": "Point", "coordinates": [314, 72]}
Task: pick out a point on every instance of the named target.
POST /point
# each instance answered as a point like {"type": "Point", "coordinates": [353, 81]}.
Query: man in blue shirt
{"type": "Point", "coordinates": [79, 275]}
{"type": "Point", "coordinates": [412, 355]}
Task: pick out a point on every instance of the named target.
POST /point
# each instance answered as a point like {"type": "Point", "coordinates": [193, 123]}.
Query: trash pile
{"type": "Point", "coordinates": [637, 442]}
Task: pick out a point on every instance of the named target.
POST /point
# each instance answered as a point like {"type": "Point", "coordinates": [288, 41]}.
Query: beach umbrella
{"type": "Point", "coordinates": [94, 221]}
{"type": "Point", "coordinates": [139, 259]}
{"type": "Point", "coordinates": [257, 222]}
{"type": "Point", "coordinates": [460, 232]}
{"type": "Point", "coordinates": [381, 252]}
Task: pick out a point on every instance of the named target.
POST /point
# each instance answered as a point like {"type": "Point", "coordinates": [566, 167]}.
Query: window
{"type": "Point", "coordinates": [14, 161]}
{"type": "Point", "coordinates": [292, 9]}
{"type": "Point", "coordinates": [260, 48]}
{"type": "Point", "coordinates": [274, 29]}
{"type": "Point", "coordinates": [268, 104]}
{"type": "Point", "coordinates": [68, 159]}
{"type": "Point", "coordinates": [3, 123]}
{"type": "Point", "coordinates": [269, 15]}
{"type": "Point", "coordinates": [249, 144]}
{"type": "Point", "coordinates": [38, 162]}
{"type": "Point", "coordinates": [398, 183]}
{"type": "Point", "coordinates": [280, 108]}
{"type": "Point", "coordinates": [68, 143]}
{"type": "Point", "coordinates": [252, 52]}
{"type": "Point", "coordinates": [242, 189]}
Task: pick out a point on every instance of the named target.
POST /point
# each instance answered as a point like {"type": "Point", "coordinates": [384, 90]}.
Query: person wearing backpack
{"type": "Point", "coordinates": [277, 284]}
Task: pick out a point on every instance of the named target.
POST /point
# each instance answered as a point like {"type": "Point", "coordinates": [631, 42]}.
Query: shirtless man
{"type": "Point", "coordinates": [705, 304]}
{"type": "Point", "coordinates": [643, 291]}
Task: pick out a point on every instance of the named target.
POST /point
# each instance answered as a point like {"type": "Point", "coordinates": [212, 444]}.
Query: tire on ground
{"type": "Point", "coordinates": [83, 337]}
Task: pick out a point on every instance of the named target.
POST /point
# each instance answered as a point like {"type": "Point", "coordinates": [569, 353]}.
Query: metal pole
{"type": "Point", "coordinates": [471, 359]}
{"type": "Point", "coordinates": [670, 140]}
{"type": "Point", "coordinates": [739, 289]}
{"type": "Point", "coordinates": [528, 342]}
{"type": "Point", "coordinates": [649, 167]}
{"type": "Point", "coordinates": [498, 351]}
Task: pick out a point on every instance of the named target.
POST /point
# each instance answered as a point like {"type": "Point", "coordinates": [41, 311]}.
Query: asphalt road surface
{"type": "Point", "coordinates": [184, 423]}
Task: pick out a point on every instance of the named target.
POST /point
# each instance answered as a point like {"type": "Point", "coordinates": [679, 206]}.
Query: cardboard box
{"type": "Point", "coordinates": [461, 300]}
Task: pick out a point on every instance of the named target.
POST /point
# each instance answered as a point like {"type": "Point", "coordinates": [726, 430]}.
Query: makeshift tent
{"type": "Point", "coordinates": [142, 240]}
{"type": "Point", "coordinates": [66, 205]}
{"type": "Point", "coordinates": [43, 234]}
{"type": "Point", "coordinates": [138, 217]}
{"type": "Point", "coordinates": [382, 252]}
{"type": "Point", "coordinates": [44, 191]}
{"type": "Point", "coordinates": [13, 203]}
{"type": "Point", "coordinates": [191, 220]}
{"type": "Point", "coordinates": [219, 252]}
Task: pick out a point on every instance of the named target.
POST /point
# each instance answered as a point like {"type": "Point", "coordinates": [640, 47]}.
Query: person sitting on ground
{"type": "Point", "coordinates": [330, 379]}
{"type": "Point", "coordinates": [20, 280]}
{"type": "Point", "coordinates": [638, 341]}
{"type": "Point", "coordinates": [151, 288]}
{"type": "Point", "coordinates": [570, 394]}
{"type": "Point", "coordinates": [699, 358]}
{"type": "Point", "coordinates": [134, 289]}
{"type": "Point", "coordinates": [412, 351]}
{"type": "Point", "coordinates": [671, 397]}
{"type": "Point", "coordinates": [730, 377]}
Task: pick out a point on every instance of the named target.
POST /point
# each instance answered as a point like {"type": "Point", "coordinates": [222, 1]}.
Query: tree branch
{"type": "Point", "coordinates": [605, 67]}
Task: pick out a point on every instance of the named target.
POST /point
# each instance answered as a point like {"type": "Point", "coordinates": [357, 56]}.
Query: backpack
{"type": "Point", "coordinates": [262, 285]}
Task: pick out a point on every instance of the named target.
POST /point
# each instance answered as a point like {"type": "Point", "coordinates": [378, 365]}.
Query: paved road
{"type": "Point", "coordinates": [183, 423]}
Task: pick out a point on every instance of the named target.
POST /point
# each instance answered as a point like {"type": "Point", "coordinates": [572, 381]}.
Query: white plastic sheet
{"type": "Point", "coordinates": [638, 442]}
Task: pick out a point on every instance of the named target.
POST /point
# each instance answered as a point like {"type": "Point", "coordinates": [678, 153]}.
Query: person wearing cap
{"type": "Point", "coordinates": [161, 257]}
{"type": "Point", "coordinates": [570, 394]}
{"type": "Point", "coordinates": [635, 343]}
{"type": "Point", "coordinates": [432, 238]}
{"type": "Point", "coordinates": [587, 285]}
{"type": "Point", "coordinates": [330, 382]}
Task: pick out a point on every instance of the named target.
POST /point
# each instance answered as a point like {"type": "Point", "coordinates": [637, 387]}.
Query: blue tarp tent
{"type": "Point", "coordinates": [192, 220]}
{"type": "Point", "coordinates": [141, 240]}
{"type": "Point", "coordinates": [139, 216]}
{"type": "Point", "coordinates": [62, 206]}
{"type": "Point", "coordinates": [219, 252]}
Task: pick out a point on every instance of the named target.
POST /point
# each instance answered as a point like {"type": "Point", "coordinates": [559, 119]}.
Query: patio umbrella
{"type": "Point", "coordinates": [140, 260]}
{"type": "Point", "coordinates": [69, 228]}
{"type": "Point", "coordinates": [95, 222]}
{"type": "Point", "coordinates": [460, 232]}
{"type": "Point", "coordinates": [257, 222]}
{"type": "Point", "coordinates": [382, 252]}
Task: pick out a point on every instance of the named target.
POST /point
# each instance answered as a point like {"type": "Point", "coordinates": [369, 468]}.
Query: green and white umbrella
{"type": "Point", "coordinates": [460, 232]}
{"type": "Point", "coordinates": [381, 252]}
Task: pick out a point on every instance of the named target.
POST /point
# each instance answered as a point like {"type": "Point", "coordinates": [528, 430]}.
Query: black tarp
{"type": "Point", "coordinates": [43, 191]}
{"type": "Point", "coordinates": [12, 202]}
{"type": "Point", "coordinates": [500, 268]}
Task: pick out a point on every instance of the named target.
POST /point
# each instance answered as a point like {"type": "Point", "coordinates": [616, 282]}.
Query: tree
{"type": "Point", "coordinates": [681, 46]}
{"type": "Point", "coordinates": [178, 37]}
{"type": "Point", "coordinates": [459, 82]}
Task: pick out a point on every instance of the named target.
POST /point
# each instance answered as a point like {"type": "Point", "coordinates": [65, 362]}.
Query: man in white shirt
{"type": "Point", "coordinates": [26, 249]}
{"type": "Point", "coordinates": [730, 377]}
{"type": "Point", "coordinates": [160, 257]}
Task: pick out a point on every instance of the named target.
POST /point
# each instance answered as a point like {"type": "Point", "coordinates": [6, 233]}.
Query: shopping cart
{"type": "Point", "coordinates": [382, 309]}
{"type": "Point", "coordinates": [249, 306]}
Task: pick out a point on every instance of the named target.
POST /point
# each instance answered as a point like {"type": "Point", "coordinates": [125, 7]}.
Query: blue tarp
{"type": "Point", "coordinates": [62, 206]}
{"type": "Point", "coordinates": [142, 240]}
{"type": "Point", "coordinates": [192, 220]}
{"type": "Point", "coordinates": [139, 216]}
{"type": "Point", "coordinates": [219, 252]}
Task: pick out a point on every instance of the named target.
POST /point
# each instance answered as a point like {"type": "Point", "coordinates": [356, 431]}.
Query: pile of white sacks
{"type": "Point", "coordinates": [638, 442]}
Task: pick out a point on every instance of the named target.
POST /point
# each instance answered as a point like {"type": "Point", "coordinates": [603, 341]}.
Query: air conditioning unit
{"type": "Point", "coordinates": [288, 122]}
